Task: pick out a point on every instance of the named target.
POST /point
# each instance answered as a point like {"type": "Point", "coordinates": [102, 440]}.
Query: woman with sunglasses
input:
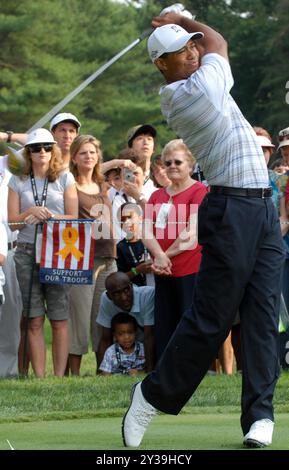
{"type": "Point", "coordinates": [42, 192]}
{"type": "Point", "coordinates": [170, 224]}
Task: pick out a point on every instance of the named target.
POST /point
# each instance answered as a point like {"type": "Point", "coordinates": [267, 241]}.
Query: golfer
{"type": "Point", "coordinates": [238, 229]}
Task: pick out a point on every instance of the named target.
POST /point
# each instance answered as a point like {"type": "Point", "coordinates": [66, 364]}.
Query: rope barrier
{"type": "Point", "coordinates": [59, 221]}
{"type": "Point", "coordinates": [81, 221]}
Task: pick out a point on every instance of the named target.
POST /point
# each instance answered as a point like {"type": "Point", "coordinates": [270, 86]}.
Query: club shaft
{"type": "Point", "coordinates": [85, 83]}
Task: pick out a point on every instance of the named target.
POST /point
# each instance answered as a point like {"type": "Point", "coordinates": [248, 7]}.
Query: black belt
{"type": "Point", "coordinates": [12, 245]}
{"type": "Point", "coordinates": [244, 192]}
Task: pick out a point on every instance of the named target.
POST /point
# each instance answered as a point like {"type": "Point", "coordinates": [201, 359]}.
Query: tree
{"type": "Point", "coordinates": [34, 60]}
{"type": "Point", "coordinates": [49, 47]}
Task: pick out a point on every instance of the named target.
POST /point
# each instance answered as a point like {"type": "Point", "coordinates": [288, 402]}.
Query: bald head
{"type": "Point", "coordinates": [119, 290]}
{"type": "Point", "coordinates": [116, 281]}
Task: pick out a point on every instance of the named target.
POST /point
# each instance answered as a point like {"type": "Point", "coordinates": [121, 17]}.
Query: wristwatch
{"type": "Point", "coordinates": [9, 136]}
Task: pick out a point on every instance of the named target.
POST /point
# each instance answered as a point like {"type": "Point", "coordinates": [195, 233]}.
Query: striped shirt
{"type": "Point", "coordinates": [117, 361]}
{"type": "Point", "coordinates": [202, 112]}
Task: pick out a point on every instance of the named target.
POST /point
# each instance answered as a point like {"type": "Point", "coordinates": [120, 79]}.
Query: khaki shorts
{"type": "Point", "coordinates": [49, 299]}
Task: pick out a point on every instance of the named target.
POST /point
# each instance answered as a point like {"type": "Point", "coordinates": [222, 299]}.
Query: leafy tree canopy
{"type": "Point", "coordinates": [48, 48]}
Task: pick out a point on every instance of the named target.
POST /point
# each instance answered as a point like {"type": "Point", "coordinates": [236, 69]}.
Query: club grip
{"type": "Point", "coordinates": [146, 33]}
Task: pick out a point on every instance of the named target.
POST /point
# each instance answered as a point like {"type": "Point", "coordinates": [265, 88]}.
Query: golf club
{"type": "Point", "coordinates": [15, 158]}
{"type": "Point", "coordinates": [87, 81]}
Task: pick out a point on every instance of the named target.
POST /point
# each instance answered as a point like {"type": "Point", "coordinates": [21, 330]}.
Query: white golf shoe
{"type": "Point", "coordinates": [260, 434]}
{"type": "Point", "coordinates": [137, 418]}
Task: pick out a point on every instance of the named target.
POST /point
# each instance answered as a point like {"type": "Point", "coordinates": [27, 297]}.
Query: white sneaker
{"type": "Point", "coordinates": [137, 418]}
{"type": "Point", "coordinates": [260, 434]}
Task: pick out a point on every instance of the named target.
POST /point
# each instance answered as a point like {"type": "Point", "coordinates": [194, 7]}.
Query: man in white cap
{"type": "Point", "coordinates": [239, 230]}
{"type": "Point", "coordinates": [64, 127]}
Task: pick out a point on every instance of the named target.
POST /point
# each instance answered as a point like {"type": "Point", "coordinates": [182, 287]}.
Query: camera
{"type": "Point", "coordinates": [128, 175]}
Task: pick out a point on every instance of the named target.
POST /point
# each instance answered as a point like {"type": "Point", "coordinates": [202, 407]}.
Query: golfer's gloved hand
{"type": "Point", "coordinates": [177, 8]}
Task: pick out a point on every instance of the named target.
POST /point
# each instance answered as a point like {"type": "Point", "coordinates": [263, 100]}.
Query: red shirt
{"type": "Point", "coordinates": [182, 205]}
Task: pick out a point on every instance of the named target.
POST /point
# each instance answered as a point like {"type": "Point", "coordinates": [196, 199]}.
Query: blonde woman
{"type": "Point", "coordinates": [44, 191]}
{"type": "Point", "coordinates": [86, 159]}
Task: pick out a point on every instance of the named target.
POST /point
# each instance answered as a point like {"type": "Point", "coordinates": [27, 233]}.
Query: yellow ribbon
{"type": "Point", "coordinates": [70, 237]}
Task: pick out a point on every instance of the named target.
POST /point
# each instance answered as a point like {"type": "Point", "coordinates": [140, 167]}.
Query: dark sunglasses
{"type": "Point", "coordinates": [170, 162]}
{"type": "Point", "coordinates": [37, 148]}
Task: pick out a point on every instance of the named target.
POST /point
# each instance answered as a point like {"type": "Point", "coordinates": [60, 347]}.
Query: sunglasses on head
{"type": "Point", "coordinates": [36, 148]}
{"type": "Point", "coordinates": [170, 162]}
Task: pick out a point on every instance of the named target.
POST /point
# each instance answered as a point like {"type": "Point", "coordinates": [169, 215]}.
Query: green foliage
{"type": "Point", "coordinates": [256, 32]}
{"type": "Point", "coordinates": [48, 48]}
{"type": "Point", "coordinates": [87, 396]}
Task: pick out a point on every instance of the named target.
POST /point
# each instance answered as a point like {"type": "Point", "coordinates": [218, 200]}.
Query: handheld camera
{"type": "Point", "coordinates": [128, 175]}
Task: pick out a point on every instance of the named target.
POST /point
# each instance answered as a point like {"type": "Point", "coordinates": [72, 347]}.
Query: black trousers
{"type": "Point", "coordinates": [173, 295]}
{"type": "Point", "coordinates": [241, 269]}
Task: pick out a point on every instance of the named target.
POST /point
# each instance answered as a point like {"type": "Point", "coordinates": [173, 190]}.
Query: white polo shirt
{"type": "Point", "coordinates": [202, 112]}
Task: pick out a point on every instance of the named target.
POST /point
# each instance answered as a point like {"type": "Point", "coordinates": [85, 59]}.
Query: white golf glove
{"type": "Point", "coordinates": [177, 8]}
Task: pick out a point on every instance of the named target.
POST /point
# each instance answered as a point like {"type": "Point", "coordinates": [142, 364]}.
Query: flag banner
{"type": "Point", "coordinates": [67, 253]}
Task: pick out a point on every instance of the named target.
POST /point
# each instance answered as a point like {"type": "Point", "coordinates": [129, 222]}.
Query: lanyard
{"type": "Point", "coordinates": [146, 179]}
{"type": "Point", "coordinates": [34, 190]}
{"type": "Point", "coordinates": [137, 261]}
{"type": "Point", "coordinates": [134, 258]}
{"type": "Point", "coordinates": [133, 255]}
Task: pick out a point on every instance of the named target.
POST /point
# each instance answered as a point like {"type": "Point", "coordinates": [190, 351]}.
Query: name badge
{"type": "Point", "coordinates": [162, 217]}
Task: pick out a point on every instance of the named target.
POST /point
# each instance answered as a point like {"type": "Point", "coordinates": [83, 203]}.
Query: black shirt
{"type": "Point", "coordinates": [129, 255]}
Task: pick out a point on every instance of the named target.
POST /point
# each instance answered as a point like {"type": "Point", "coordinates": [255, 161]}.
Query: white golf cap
{"type": "Point", "coordinates": [169, 38]}
{"type": "Point", "coordinates": [40, 136]}
{"type": "Point", "coordinates": [64, 117]}
{"type": "Point", "coordinates": [264, 141]}
{"type": "Point", "coordinates": [283, 138]}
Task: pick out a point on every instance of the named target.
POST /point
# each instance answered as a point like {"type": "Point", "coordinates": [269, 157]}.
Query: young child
{"type": "Point", "coordinates": [114, 179]}
{"type": "Point", "coordinates": [126, 355]}
{"type": "Point", "coordinates": [132, 256]}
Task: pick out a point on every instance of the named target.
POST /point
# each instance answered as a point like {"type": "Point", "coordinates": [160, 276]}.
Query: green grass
{"type": "Point", "coordinates": [85, 413]}
{"type": "Point", "coordinates": [191, 432]}
{"type": "Point", "coordinates": [79, 397]}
